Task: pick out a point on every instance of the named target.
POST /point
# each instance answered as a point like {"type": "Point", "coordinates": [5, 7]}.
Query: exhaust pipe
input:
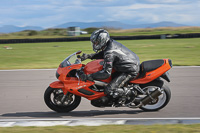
{"type": "Point", "coordinates": [147, 99]}
{"type": "Point", "coordinates": [152, 96]}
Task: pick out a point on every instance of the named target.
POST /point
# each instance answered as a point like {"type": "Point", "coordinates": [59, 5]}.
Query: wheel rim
{"type": "Point", "coordinates": [57, 95]}
{"type": "Point", "coordinates": [160, 101]}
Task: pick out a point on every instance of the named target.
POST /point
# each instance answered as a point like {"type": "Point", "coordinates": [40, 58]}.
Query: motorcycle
{"type": "Point", "coordinates": [147, 91]}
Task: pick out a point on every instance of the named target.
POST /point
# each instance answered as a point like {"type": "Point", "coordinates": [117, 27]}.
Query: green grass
{"type": "Point", "coordinates": [49, 55]}
{"type": "Point", "coordinates": [177, 128]}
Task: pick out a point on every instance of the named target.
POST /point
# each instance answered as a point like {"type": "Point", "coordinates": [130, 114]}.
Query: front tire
{"type": "Point", "coordinates": [53, 96]}
{"type": "Point", "coordinates": [162, 100]}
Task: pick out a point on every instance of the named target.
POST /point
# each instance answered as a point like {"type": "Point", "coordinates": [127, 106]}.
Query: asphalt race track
{"type": "Point", "coordinates": [21, 97]}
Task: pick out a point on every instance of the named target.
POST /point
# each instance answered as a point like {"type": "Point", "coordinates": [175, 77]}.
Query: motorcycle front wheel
{"type": "Point", "coordinates": [53, 99]}
{"type": "Point", "coordinates": [161, 101]}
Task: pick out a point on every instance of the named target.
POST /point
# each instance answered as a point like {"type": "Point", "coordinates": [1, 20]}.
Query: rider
{"type": "Point", "coordinates": [116, 56]}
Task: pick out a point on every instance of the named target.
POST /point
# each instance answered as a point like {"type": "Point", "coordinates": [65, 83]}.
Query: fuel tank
{"type": "Point", "coordinates": [93, 66]}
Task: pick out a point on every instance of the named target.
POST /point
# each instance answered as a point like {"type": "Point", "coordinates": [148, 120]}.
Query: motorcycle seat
{"type": "Point", "coordinates": [148, 66]}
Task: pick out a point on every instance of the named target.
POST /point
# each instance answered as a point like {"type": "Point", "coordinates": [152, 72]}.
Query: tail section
{"type": "Point", "coordinates": [152, 69]}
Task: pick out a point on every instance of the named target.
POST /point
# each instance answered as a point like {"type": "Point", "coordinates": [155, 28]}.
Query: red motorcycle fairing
{"type": "Point", "coordinates": [75, 85]}
{"type": "Point", "coordinates": [57, 84]}
{"type": "Point", "coordinates": [81, 88]}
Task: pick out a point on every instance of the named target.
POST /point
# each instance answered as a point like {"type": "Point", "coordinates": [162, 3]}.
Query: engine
{"type": "Point", "coordinates": [127, 96]}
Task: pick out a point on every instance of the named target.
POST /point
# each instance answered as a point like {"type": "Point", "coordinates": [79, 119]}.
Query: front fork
{"type": "Point", "coordinates": [64, 98]}
{"type": "Point", "coordinates": [60, 85]}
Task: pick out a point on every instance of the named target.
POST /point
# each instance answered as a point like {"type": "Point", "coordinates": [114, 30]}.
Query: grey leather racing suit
{"type": "Point", "coordinates": [119, 57]}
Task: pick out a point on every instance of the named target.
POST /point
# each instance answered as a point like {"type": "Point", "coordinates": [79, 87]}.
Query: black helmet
{"type": "Point", "coordinates": [99, 38]}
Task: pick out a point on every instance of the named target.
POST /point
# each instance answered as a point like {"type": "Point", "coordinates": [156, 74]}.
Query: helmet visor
{"type": "Point", "coordinates": [96, 46]}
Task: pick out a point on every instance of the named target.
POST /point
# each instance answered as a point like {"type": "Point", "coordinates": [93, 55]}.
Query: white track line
{"type": "Point", "coordinates": [67, 119]}
{"type": "Point", "coordinates": [95, 121]}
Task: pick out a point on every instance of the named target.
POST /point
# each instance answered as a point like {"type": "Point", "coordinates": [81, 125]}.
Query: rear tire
{"type": "Point", "coordinates": [163, 100]}
{"type": "Point", "coordinates": [50, 98]}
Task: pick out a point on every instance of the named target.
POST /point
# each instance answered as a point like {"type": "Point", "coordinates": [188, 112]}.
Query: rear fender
{"type": "Point", "coordinates": [156, 82]}
{"type": "Point", "coordinates": [166, 76]}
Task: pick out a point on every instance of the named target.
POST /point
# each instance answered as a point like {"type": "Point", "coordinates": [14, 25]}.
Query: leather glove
{"type": "Point", "coordinates": [85, 77]}
{"type": "Point", "coordinates": [84, 56]}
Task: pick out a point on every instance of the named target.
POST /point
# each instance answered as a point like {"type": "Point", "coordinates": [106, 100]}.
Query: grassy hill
{"type": "Point", "coordinates": [62, 33]}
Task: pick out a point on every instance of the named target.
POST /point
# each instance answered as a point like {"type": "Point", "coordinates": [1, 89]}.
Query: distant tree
{"type": "Point", "coordinates": [32, 33]}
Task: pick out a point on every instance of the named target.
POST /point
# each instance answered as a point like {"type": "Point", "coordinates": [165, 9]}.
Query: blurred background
{"type": "Point", "coordinates": [150, 28]}
{"type": "Point", "coordinates": [50, 18]}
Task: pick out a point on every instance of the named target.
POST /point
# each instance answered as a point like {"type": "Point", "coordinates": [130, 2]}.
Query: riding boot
{"type": "Point", "coordinates": [114, 88]}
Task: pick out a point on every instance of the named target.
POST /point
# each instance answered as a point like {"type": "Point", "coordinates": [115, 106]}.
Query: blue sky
{"type": "Point", "coordinates": [49, 13]}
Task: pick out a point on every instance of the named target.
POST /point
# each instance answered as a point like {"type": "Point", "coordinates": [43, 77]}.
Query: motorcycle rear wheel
{"type": "Point", "coordinates": [162, 100]}
{"type": "Point", "coordinates": [52, 97]}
